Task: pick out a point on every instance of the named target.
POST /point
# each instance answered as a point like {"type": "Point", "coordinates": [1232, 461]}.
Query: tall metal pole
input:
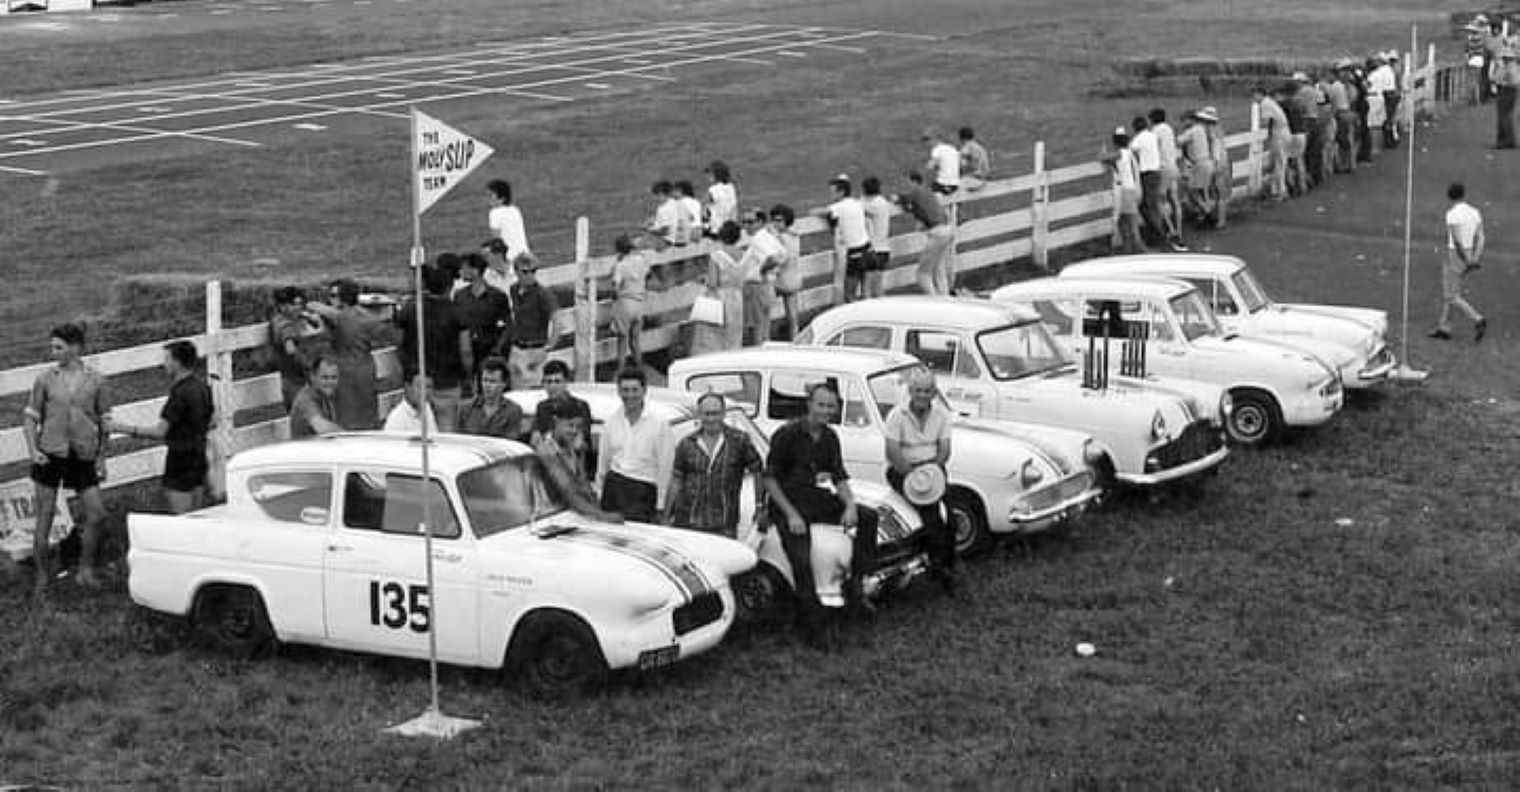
{"type": "Point", "coordinates": [422, 398]}
{"type": "Point", "coordinates": [1408, 192]}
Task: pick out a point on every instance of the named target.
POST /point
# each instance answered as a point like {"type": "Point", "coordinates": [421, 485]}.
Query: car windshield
{"type": "Point", "coordinates": [508, 494]}
{"type": "Point", "coordinates": [1251, 292]}
{"type": "Point", "coordinates": [735, 418]}
{"type": "Point", "coordinates": [1194, 315]}
{"type": "Point", "coordinates": [1020, 351]}
{"type": "Point", "coordinates": [890, 388]}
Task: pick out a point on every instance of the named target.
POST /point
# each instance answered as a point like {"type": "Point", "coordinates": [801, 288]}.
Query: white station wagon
{"type": "Point", "coordinates": [1003, 478]}
{"type": "Point", "coordinates": [1272, 384]}
{"type": "Point", "coordinates": [998, 361]}
{"type": "Point", "coordinates": [1242, 306]}
{"type": "Point", "coordinates": [319, 543]}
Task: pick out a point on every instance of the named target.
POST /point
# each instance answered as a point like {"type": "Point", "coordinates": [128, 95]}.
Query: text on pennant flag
{"type": "Point", "coordinates": [444, 156]}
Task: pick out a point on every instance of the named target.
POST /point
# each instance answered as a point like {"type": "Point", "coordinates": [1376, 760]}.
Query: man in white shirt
{"type": "Point", "coordinates": [690, 210]}
{"type": "Point", "coordinates": [944, 166]}
{"type": "Point", "coordinates": [506, 219]}
{"type": "Point", "coordinates": [635, 455]}
{"type": "Point", "coordinates": [408, 414]}
{"type": "Point", "coordinates": [1383, 83]}
{"type": "Point", "coordinates": [1166, 141]}
{"type": "Point", "coordinates": [722, 197]}
{"type": "Point", "coordinates": [878, 212]}
{"type": "Point", "coordinates": [1275, 123]}
{"type": "Point", "coordinates": [917, 433]}
{"type": "Point", "coordinates": [848, 218]}
{"type": "Point", "coordinates": [1147, 150]}
{"type": "Point", "coordinates": [1464, 249]}
{"type": "Point", "coordinates": [1127, 192]}
{"type": "Point", "coordinates": [666, 226]}
{"type": "Point", "coordinates": [764, 253]}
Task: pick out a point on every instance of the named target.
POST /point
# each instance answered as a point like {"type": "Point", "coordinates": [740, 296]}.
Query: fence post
{"type": "Point", "coordinates": [585, 304]}
{"type": "Point", "coordinates": [1039, 204]}
{"type": "Point", "coordinates": [1253, 154]}
{"type": "Point", "coordinates": [224, 397]}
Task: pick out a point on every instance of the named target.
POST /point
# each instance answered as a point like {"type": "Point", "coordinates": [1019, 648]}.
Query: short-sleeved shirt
{"type": "Point", "coordinates": [667, 216]}
{"type": "Point", "coordinates": [878, 221]}
{"type": "Point", "coordinates": [1462, 224]}
{"type": "Point", "coordinates": [807, 469]}
{"type": "Point", "coordinates": [629, 276]}
{"type": "Point", "coordinates": [441, 329]}
{"type": "Point", "coordinates": [763, 246]}
{"type": "Point", "coordinates": [308, 405]}
{"type": "Point", "coordinates": [1340, 101]}
{"type": "Point", "coordinates": [1147, 151]}
{"type": "Point", "coordinates": [534, 309]}
{"type": "Point", "coordinates": [722, 205]}
{"type": "Point", "coordinates": [188, 412]}
{"type": "Point", "coordinates": [506, 421]}
{"type": "Point", "coordinates": [543, 423]}
{"type": "Point", "coordinates": [507, 222]}
{"type": "Point", "coordinates": [849, 218]}
{"type": "Point", "coordinates": [1194, 144]}
{"type": "Point", "coordinates": [486, 315]}
{"type": "Point", "coordinates": [975, 159]}
{"type": "Point", "coordinates": [946, 162]}
{"type": "Point", "coordinates": [1166, 141]}
{"type": "Point", "coordinates": [690, 213]}
{"type": "Point", "coordinates": [282, 329]}
{"type": "Point", "coordinates": [925, 208]}
{"type": "Point", "coordinates": [404, 418]}
{"type": "Point", "coordinates": [712, 483]}
{"type": "Point", "coordinates": [920, 439]}
{"type": "Point", "coordinates": [1273, 119]}
{"type": "Point", "coordinates": [69, 406]}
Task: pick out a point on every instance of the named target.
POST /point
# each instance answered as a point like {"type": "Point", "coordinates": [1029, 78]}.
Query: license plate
{"type": "Point", "coordinates": [655, 658]}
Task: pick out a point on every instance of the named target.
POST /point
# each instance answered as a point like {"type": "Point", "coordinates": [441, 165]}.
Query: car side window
{"type": "Point", "coordinates": [1217, 295]}
{"type": "Point", "coordinates": [942, 352]}
{"type": "Point", "coordinates": [740, 387]}
{"type": "Point", "coordinates": [788, 393]}
{"type": "Point", "coordinates": [856, 411]}
{"type": "Point", "coordinates": [869, 337]}
{"type": "Point", "coordinates": [1058, 313]}
{"type": "Point", "coordinates": [392, 503]}
{"type": "Point", "coordinates": [293, 497]}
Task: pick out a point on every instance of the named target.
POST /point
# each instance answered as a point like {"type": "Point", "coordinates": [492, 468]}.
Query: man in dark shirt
{"type": "Point", "coordinates": [491, 413]}
{"type": "Point", "coordinates": [182, 425]}
{"type": "Point", "coordinates": [483, 311]}
{"type": "Point", "coordinates": [447, 346]}
{"type": "Point", "coordinates": [314, 410]}
{"type": "Point", "coordinates": [556, 383]}
{"type": "Point", "coordinates": [934, 275]}
{"type": "Point", "coordinates": [807, 483]}
{"type": "Point", "coordinates": [533, 334]}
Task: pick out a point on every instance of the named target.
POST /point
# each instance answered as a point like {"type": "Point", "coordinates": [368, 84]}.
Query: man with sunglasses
{"type": "Point", "coordinates": [533, 334]}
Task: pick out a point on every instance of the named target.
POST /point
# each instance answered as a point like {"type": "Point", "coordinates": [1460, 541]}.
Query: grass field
{"type": "Point", "coordinates": [1336, 613]}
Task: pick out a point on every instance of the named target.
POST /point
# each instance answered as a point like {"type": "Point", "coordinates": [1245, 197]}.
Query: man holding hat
{"type": "Point", "coordinates": [918, 448]}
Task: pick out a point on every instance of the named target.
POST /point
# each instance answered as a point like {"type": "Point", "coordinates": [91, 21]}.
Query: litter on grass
{"type": "Point", "coordinates": [1086, 650]}
{"type": "Point", "coordinates": [1345, 522]}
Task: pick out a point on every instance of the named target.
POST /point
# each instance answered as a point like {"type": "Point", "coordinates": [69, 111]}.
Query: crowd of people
{"type": "Point", "coordinates": [1316, 123]}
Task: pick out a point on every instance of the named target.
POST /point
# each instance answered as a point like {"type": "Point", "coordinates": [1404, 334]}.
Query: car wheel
{"type": "Point", "coordinates": [556, 655]}
{"type": "Point", "coordinates": [232, 620]}
{"type": "Point", "coordinates": [758, 592]}
{"type": "Point", "coordinates": [1255, 419]}
{"type": "Point", "coordinates": [968, 523]}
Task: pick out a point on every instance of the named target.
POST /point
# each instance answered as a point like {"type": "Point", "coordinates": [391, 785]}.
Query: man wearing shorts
{"type": "Point", "coordinates": [182, 424]}
{"type": "Point", "coordinates": [934, 265]}
{"type": "Point", "coordinates": [879, 225]}
{"type": "Point", "coordinates": [848, 218]}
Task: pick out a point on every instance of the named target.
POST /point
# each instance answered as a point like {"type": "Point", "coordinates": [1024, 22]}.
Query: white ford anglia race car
{"type": "Point", "coordinates": [319, 543]}
{"type": "Point", "coordinates": [901, 556]}
{"type": "Point", "coordinates": [1004, 478]}
{"type": "Point", "coordinates": [1242, 306]}
{"type": "Point", "coordinates": [1272, 384]}
{"type": "Point", "coordinates": [997, 361]}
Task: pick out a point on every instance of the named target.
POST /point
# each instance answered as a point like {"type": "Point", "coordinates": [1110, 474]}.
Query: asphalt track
{"type": "Point", "coordinates": [81, 129]}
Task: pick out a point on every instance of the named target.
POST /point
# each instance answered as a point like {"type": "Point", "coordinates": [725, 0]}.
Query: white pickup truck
{"type": "Point", "coordinates": [320, 543]}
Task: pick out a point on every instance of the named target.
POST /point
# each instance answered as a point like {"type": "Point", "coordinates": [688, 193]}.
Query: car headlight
{"type": "Point", "coordinates": [1226, 404]}
{"type": "Point", "coordinates": [1158, 426]}
{"type": "Point", "coordinates": [1031, 474]}
{"type": "Point", "coordinates": [1092, 453]}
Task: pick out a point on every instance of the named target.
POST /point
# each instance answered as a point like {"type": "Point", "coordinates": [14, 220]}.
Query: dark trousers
{"type": "Point", "coordinates": [1364, 141]}
{"type": "Point", "coordinates": [1390, 126]}
{"type": "Point", "coordinates": [633, 499]}
{"type": "Point", "coordinates": [939, 538]}
{"type": "Point", "coordinates": [1151, 196]}
{"type": "Point", "coordinates": [1505, 108]}
{"type": "Point", "coordinates": [799, 553]}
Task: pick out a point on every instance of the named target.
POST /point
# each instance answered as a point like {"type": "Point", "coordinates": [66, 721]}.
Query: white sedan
{"type": "Point", "coordinates": [320, 543]}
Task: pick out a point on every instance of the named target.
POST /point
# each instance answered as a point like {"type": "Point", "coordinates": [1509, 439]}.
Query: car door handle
{"type": "Point", "coordinates": [451, 558]}
{"type": "Point", "coordinates": [339, 549]}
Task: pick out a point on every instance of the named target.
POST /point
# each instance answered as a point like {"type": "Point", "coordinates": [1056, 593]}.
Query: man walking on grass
{"type": "Point", "coordinates": [1464, 248]}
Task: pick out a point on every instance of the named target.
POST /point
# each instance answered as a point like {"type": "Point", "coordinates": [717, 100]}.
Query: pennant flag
{"type": "Point", "coordinates": [444, 156]}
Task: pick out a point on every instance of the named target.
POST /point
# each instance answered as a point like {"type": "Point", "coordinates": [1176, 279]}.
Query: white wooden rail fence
{"type": "Point", "coordinates": [989, 240]}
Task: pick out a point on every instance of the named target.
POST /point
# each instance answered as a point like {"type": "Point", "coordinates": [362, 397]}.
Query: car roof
{"type": "Point", "coordinates": [1161, 263]}
{"type": "Point", "coordinates": [1140, 286]}
{"type": "Point", "coordinates": [845, 360]}
{"type": "Point", "coordinates": [955, 312]}
{"type": "Point", "coordinates": [447, 453]}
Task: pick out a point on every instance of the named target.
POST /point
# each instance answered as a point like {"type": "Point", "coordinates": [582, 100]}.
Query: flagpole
{"type": "Point", "coordinates": [1404, 373]}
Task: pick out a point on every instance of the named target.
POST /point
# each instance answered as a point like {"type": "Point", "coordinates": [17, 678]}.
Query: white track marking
{"type": "Point", "coordinates": [310, 127]}
{"type": "Point", "coordinates": [22, 171]}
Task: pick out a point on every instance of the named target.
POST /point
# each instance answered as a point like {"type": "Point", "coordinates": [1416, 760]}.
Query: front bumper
{"type": "Point", "coordinates": [1314, 408]}
{"type": "Point", "coordinates": [1374, 370]}
{"type": "Point", "coordinates": [653, 641]}
{"type": "Point", "coordinates": [1200, 448]}
{"type": "Point", "coordinates": [1050, 506]}
{"type": "Point", "coordinates": [894, 576]}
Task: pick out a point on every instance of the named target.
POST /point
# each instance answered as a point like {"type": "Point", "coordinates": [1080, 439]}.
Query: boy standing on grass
{"type": "Point", "coordinates": [1464, 247]}
{"type": "Point", "coordinates": [182, 425]}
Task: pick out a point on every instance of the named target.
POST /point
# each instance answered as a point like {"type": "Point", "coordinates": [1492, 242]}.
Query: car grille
{"type": "Point", "coordinates": [1060, 492]}
{"type": "Point", "coordinates": [704, 610]}
{"type": "Point", "coordinates": [1382, 357]}
{"type": "Point", "coordinates": [1197, 441]}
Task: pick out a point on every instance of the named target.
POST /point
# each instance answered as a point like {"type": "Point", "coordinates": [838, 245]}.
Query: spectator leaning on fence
{"type": "Point", "coordinates": [186, 417]}
{"type": "Point", "coordinates": [355, 333]}
{"type": "Point", "coordinates": [725, 282]}
{"type": "Point", "coordinates": [315, 409]}
{"type": "Point", "coordinates": [630, 276]}
{"type": "Point", "coordinates": [789, 270]}
{"type": "Point", "coordinates": [1147, 150]}
{"type": "Point", "coordinates": [976, 161]}
{"type": "Point", "coordinates": [934, 265]}
{"type": "Point", "coordinates": [1275, 123]}
{"type": "Point", "coordinates": [1224, 168]}
{"type": "Point", "coordinates": [879, 225]}
{"type": "Point", "coordinates": [944, 164]}
{"type": "Point", "coordinates": [533, 329]}
{"type": "Point", "coordinates": [289, 329]}
{"type": "Point", "coordinates": [691, 210]}
{"type": "Point", "coordinates": [64, 423]}
{"type": "Point", "coordinates": [1166, 144]}
{"type": "Point", "coordinates": [505, 219]}
{"type": "Point", "coordinates": [708, 471]}
{"type": "Point", "coordinates": [664, 227]}
{"type": "Point", "coordinates": [1196, 167]}
{"type": "Point", "coordinates": [635, 454]}
{"type": "Point", "coordinates": [762, 256]}
{"type": "Point", "coordinates": [847, 217]}
{"type": "Point", "coordinates": [1127, 189]}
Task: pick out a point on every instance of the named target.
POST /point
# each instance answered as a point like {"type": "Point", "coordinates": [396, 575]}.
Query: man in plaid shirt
{"type": "Point", "coordinates": [707, 476]}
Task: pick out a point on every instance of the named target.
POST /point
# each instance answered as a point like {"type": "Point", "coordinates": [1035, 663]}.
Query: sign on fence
{"type": "Point", "coordinates": [18, 518]}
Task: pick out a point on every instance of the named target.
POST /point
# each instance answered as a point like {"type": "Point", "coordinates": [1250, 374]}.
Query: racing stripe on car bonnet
{"type": "Point", "coordinates": [663, 558]}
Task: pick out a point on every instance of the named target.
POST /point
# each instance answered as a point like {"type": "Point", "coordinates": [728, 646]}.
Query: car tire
{"type": "Point", "coordinates": [759, 593]}
{"type": "Point", "coordinates": [1255, 419]}
{"type": "Point", "coordinates": [556, 655]}
{"type": "Point", "coordinates": [232, 620]}
{"type": "Point", "coordinates": [968, 523]}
